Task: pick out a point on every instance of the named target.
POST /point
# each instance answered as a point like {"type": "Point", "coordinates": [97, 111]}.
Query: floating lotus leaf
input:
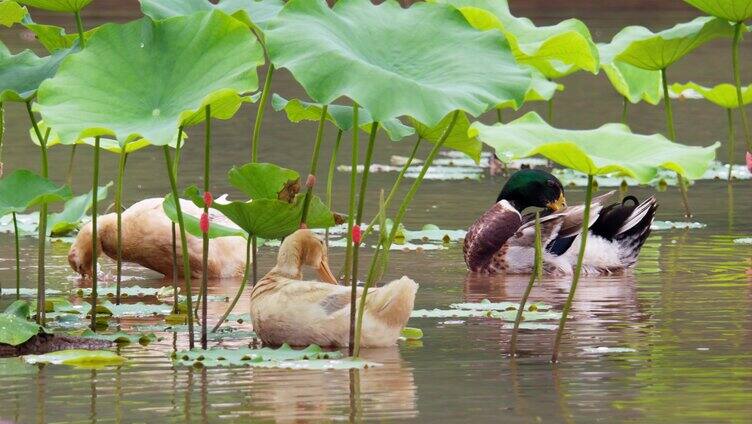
{"type": "Point", "coordinates": [144, 79]}
{"type": "Point", "coordinates": [340, 116]}
{"type": "Point", "coordinates": [631, 82]}
{"type": "Point", "coordinates": [555, 50]}
{"type": "Point", "coordinates": [676, 225]}
{"type": "Point", "coordinates": [31, 292]}
{"type": "Point", "coordinates": [424, 62]}
{"type": "Point", "coordinates": [723, 95]}
{"type": "Point", "coordinates": [487, 305]}
{"type": "Point", "coordinates": [255, 14]}
{"type": "Point", "coordinates": [58, 5]}
{"type": "Point", "coordinates": [11, 13]}
{"type": "Point", "coordinates": [22, 74]}
{"type": "Point", "coordinates": [139, 309]}
{"type": "Point", "coordinates": [730, 10]}
{"type": "Point", "coordinates": [24, 189]}
{"type": "Point", "coordinates": [612, 148]}
{"type": "Point", "coordinates": [19, 308]}
{"type": "Point", "coordinates": [318, 364]}
{"type": "Point", "coordinates": [74, 211]}
{"type": "Point", "coordinates": [458, 138]}
{"type": "Point", "coordinates": [265, 181]}
{"type": "Point", "coordinates": [119, 337]}
{"type": "Point", "coordinates": [220, 227]}
{"type": "Point", "coordinates": [645, 49]}
{"type": "Point", "coordinates": [411, 333]}
{"type": "Point", "coordinates": [219, 357]}
{"type": "Point", "coordinates": [15, 330]}
{"type": "Point", "coordinates": [541, 89]}
{"type": "Point", "coordinates": [78, 358]}
{"type": "Point", "coordinates": [54, 38]}
{"type": "Point", "coordinates": [509, 315]}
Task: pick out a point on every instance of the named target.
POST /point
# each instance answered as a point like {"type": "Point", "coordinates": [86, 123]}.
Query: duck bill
{"type": "Point", "coordinates": [558, 204]}
{"type": "Point", "coordinates": [325, 273]}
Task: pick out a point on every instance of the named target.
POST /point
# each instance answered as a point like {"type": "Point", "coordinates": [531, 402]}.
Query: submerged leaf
{"type": "Point", "coordinates": [723, 95]}
{"type": "Point", "coordinates": [78, 358]}
{"type": "Point", "coordinates": [58, 5]}
{"type": "Point", "coordinates": [22, 190]}
{"type": "Point", "coordinates": [15, 330]}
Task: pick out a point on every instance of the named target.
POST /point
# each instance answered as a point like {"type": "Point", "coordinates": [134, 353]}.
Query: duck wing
{"type": "Point", "coordinates": [572, 223]}
{"type": "Point", "coordinates": [489, 233]}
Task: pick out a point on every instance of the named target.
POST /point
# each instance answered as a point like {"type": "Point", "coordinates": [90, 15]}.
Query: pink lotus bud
{"type": "Point", "coordinates": [204, 223]}
{"type": "Point", "coordinates": [357, 234]}
{"type": "Point", "coordinates": [749, 162]}
{"type": "Point", "coordinates": [310, 181]}
{"type": "Point", "coordinates": [208, 199]}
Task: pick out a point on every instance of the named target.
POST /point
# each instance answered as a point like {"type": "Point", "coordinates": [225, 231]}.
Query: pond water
{"type": "Point", "coordinates": [670, 343]}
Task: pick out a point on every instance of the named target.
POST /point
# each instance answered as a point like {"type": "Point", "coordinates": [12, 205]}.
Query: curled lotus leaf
{"type": "Point", "coordinates": [440, 64]}
{"type": "Point", "coordinates": [730, 10]}
{"type": "Point", "coordinates": [265, 181]}
{"type": "Point", "coordinates": [11, 13]}
{"type": "Point", "coordinates": [341, 116]}
{"type": "Point", "coordinates": [69, 6]}
{"type": "Point", "coordinates": [541, 89]}
{"type": "Point", "coordinates": [612, 148]}
{"type": "Point", "coordinates": [23, 189]}
{"type": "Point", "coordinates": [633, 83]}
{"type": "Point", "coordinates": [146, 79]}
{"type": "Point", "coordinates": [458, 138]}
{"type": "Point", "coordinates": [723, 95]}
{"type": "Point", "coordinates": [555, 50]}
{"type": "Point", "coordinates": [22, 74]}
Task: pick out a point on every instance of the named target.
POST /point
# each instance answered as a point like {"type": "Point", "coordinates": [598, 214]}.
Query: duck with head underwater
{"type": "Point", "coordinates": [502, 240]}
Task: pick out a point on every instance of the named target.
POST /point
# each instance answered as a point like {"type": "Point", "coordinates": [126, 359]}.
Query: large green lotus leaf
{"type": "Point", "coordinates": [458, 138]}
{"type": "Point", "coordinates": [610, 148]}
{"type": "Point", "coordinates": [634, 83]}
{"type": "Point", "coordinates": [340, 116]}
{"type": "Point", "coordinates": [112, 146]}
{"type": "Point", "coordinates": [265, 181]}
{"type": "Point", "coordinates": [556, 50]}
{"type": "Point", "coordinates": [723, 95]}
{"type": "Point", "coordinates": [22, 74]}
{"type": "Point", "coordinates": [730, 10]}
{"type": "Point", "coordinates": [645, 49]}
{"type": "Point", "coordinates": [58, 5]}
{"type": "Point", "coordinates": [193, 227]}
{"type": "Point", "coordinates": [218, 357]}
{"type": "Point", "coordinates": [11, 13]}
{"type": "Point", "coordinates": [541, 89]}
{"type": "Point", "coordinates": [15, 330]}
{"type": "Point", "coordinates": [78, 358]}
{"type": "Point", "coordinates": [255, 14]}
{"type": "Point", "coordinates": [24, 189]}
{"type": "Point", "coordinates": [74, 211]}
{"type": "Point", "coordinates": [145, 79]}
{"type": "Point", "coordinates": [54, 38]}
{"type": "Point", "coordinates": [439, 63]}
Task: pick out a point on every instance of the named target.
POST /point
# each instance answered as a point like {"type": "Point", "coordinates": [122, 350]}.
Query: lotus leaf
{"type": "Point", "coordinates": [440, 64]}
{"type": "Point", "coordinates": [458, 138]}
{"type": "Point", "coordinates": [245, 356]}
{"type": "Point", "coordinates": [723, 95]}
{"type": "Point", "coordinates": [29, 292]}
{"type": "Point", "coordinates": [24, 189]}
{"type": "Point", "coordinates": [541, 89]}
{"type": "Point", "coordinates": [11, 13]}
{"type": "Point", "coordinates": [730, 10]}
{"type": "Point", "coordinates": [612, 148]}
{"type": "Point", "coordinates": [256, 14]}
{"type": "Point", "coordinates": [486, 305]}
{"type": "Point", "coordinates": [411, 333]}
{"type": "Point", "coordinates": [70, 6]}
{"type": "Point", "coordinates": [145, 79]}
{"type": "Point", "coordinates": [633, 83]}
{"type": "Point", "coordinates": [74, 212]}
{"type": "Point", "coordinates": [139, 309]}
{"type": "Point", "coordinates": [471, 313]}
{"type": "Point", "coordinates": [15, 330]}
{"type": "Point", "coordinates": [78, 358]}
{"type": "Point", "coordinates": [19, 308]}
{"type": "Point", "coordinates": [645, 49]}
{"type": "Point", "coordinates": [555, 50]}
{"type": "Point", "coordinates": [119, 337]}
{"type": "Point", "coordinates": [22, 74]}
{"type": "Point", "coordinates": [340, 116]}
{"type": "Point", "coordinates": [265, 181]}
{"type": "Point", "coordinates": [318, 364]}
{"type": "Point", "coordinates": [112, 146]}
{"type": "Point", "coordinates": [54, 38]}
{"type": "Point", "coordinates": [219, 227]}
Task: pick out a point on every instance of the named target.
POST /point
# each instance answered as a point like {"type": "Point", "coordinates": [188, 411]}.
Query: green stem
{"type": "Point", "coordinates": [235, 300]}
{"type": "Point", "coordinates": [577, 269]}
{"type": "Point", "coordinates": [732, 142]}
{"type": "Point", "coordinates": [94, 234]}
{"type": "Point", "coordinates": [624, 110]}
{"type": "Point", "coordinates": [80, 28]}
{"type": "Point", "coordinates": [310, 182]}
{"type": "Point", "coordinates": [260, 113]}
{"type": "Point", "coordinates": [672, 137]}
{"type": "Point", "coordinates": [175, 268]}
{"type": "Point", "coordinates": [119, 214]}
{"type": "Point", "coordinates": [537, 270]}
{"type": "Point", "coordinates": [499, 116]}
{"type": "Point", "coordinates": [205, 251]}
{"type": "Point", "coordinates": [550, 111]}
{"type": "Point", "coordinates": [738, 82]}
{"type": "Point", "coordinates": [351, 198]}
{"type": "Point", "coordinates": [18, 258]}
{"type": "Point", "coordinates": [183, 243]}
{"type": "Point", "coordinates": [2, 135]}
{"type": "Point", "coordinates": [69, 172]}
{"type": "Point", "coordinates": [40, 318]}
{"type": "Point", "coordinates": [358, 220]}
{"type": "Point", "coordinates": [330, 177]}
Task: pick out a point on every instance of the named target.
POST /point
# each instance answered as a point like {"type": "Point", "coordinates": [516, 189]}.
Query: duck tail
{"type": "Point", "coordinates": [393, 302]}
{"type": "Point", "coordinates": [635, 230]}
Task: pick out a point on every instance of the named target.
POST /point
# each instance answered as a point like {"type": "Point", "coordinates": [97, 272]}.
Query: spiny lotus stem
{"type": "Point", "coordinates": [204, 223]}
{"type": "Point", "coordinates": [310, 181]}
{"type": "Point", "coordinates": [357, 234]}
{"type": "Point", "coordinates": [749, 161]}
{"type": "Point", "coordinates": [208, 199]}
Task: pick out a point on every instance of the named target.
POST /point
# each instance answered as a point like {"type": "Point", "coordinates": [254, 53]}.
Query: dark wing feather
{"type": "Point", "coordinates": [489, 233]}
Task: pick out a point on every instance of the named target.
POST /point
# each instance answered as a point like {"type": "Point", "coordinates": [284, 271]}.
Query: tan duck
{"type": "Point", "coordinates": [147, 241]}
{"type": "Point", "coordinates": [286, 309]}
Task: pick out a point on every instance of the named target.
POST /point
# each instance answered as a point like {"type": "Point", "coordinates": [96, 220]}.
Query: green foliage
{"type": "Point", "coordinates": [256, 14]}
{"type": "Point", "coordinates": [22, 74]}
{"type": "Point", "coordinates": [11, 13]}
{"type": "Point", "coordinates": [144, 79]}
{"type": "Point", "coordinates": [541, 89]}
{"type": "Point", "coordinates": [58, 5]}
{"type": "Point", "coordinates": [411, 333]}
{"type": "Point", "coordinates": [15, 330]}
{"type": "Point", "coordinates": [218, 357]}
{"type": "Point", "coordinates": [458, 138]}
{"type": "Point", "coordinates": [54, 38]}
{"type": "Point", "coordinates": [74, 211]}
{"type": "Point", "coordinates": [118, 337]}
{"type": "Point", "coordinates": [78, 358]}
{"type": "Point", "coordinates": [730, 10]}
{"type": "Point", "coordinates": [265, 181]}
{"type": "Point", "coordinates": [723, 95]}
{"type": "Point", "coordinates": [631, 82]}
{"type": "Point", "coordinates": [19, 308]}
{"type": "Point", "coordinates": [612, 148]}
{"type": "Point", "coordinates": [216, 229]}
{"type": "Point", "coordinates": [24, 189]}
{"type": "Point", "coordinates": [440, 63]}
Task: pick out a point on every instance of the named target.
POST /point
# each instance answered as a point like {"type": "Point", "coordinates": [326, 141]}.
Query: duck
{"type": "Point", "coordinates": [147, 241]}
{"type": "Point", "coordinates": [287, 309]}
{"type": "Point", "coordinates": [502, 240]}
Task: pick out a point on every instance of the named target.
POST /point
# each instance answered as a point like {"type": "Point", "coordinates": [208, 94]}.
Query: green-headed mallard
{"type": "Point", "coordinates": [502, 240]}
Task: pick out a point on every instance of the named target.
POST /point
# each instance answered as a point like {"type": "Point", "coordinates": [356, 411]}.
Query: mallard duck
{"type": "Point", "coordinates": [285, 309]}
{"type": "Point", "coordinates": [502, 239]}
{"type": "Point", "coordinates": [147, 241]}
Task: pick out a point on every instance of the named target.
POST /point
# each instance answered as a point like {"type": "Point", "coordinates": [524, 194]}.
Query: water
{"type": "Point", "coordinates": [686, 312]}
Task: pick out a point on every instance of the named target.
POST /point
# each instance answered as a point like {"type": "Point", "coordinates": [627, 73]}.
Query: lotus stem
{"type": "Point", "coordinates": [732, 142]}
{"type": "Point", "coordinates": [624, 110]}
{"type": "Point", "coordinates": [69, 172]}
{"type": "Point", "coordinates": [18, 257]}
{"type": "Point", "coordinates": [738, 82]}
{"type": "Point", "coordinates": [254, 262]}
{"type": "Point", "coordinates": [499, 116]}
{"type": "Point", "coordinates": [80, 28]}
{"type": "Point", "coordinates": [577, 269]}
{"type": "Point", "coordinates": [550, 110]}
{"type": "Point", "coordinates": [183, 243]}
{"type": "Point", "coordinates": [330, 178]}
{"type": "Point", "coordinates": [537, 271]}
{"type": "Point", "coordinates": [314, 164]}
{"type": "Point", "coordinates": [40, 318]}
{"type": "Point", "coordinates": [672, 137]}
{"type": "Point", "coordinates": [2, 135]}
{"type": "Point", "coordinates": [175, 270]}
{"type": "Point", "coordinates": [205, 251]}
{"type": "Point", "coordinates": [351, 201]}
{"type": "Point", "coordinates": [119, 214]}
{"type": "Point", "coordinates": [94, 234]}
{"type": "Point", "coordinates": [235, 300]}
{"type": "Point", "coordinates": [395, 186]}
